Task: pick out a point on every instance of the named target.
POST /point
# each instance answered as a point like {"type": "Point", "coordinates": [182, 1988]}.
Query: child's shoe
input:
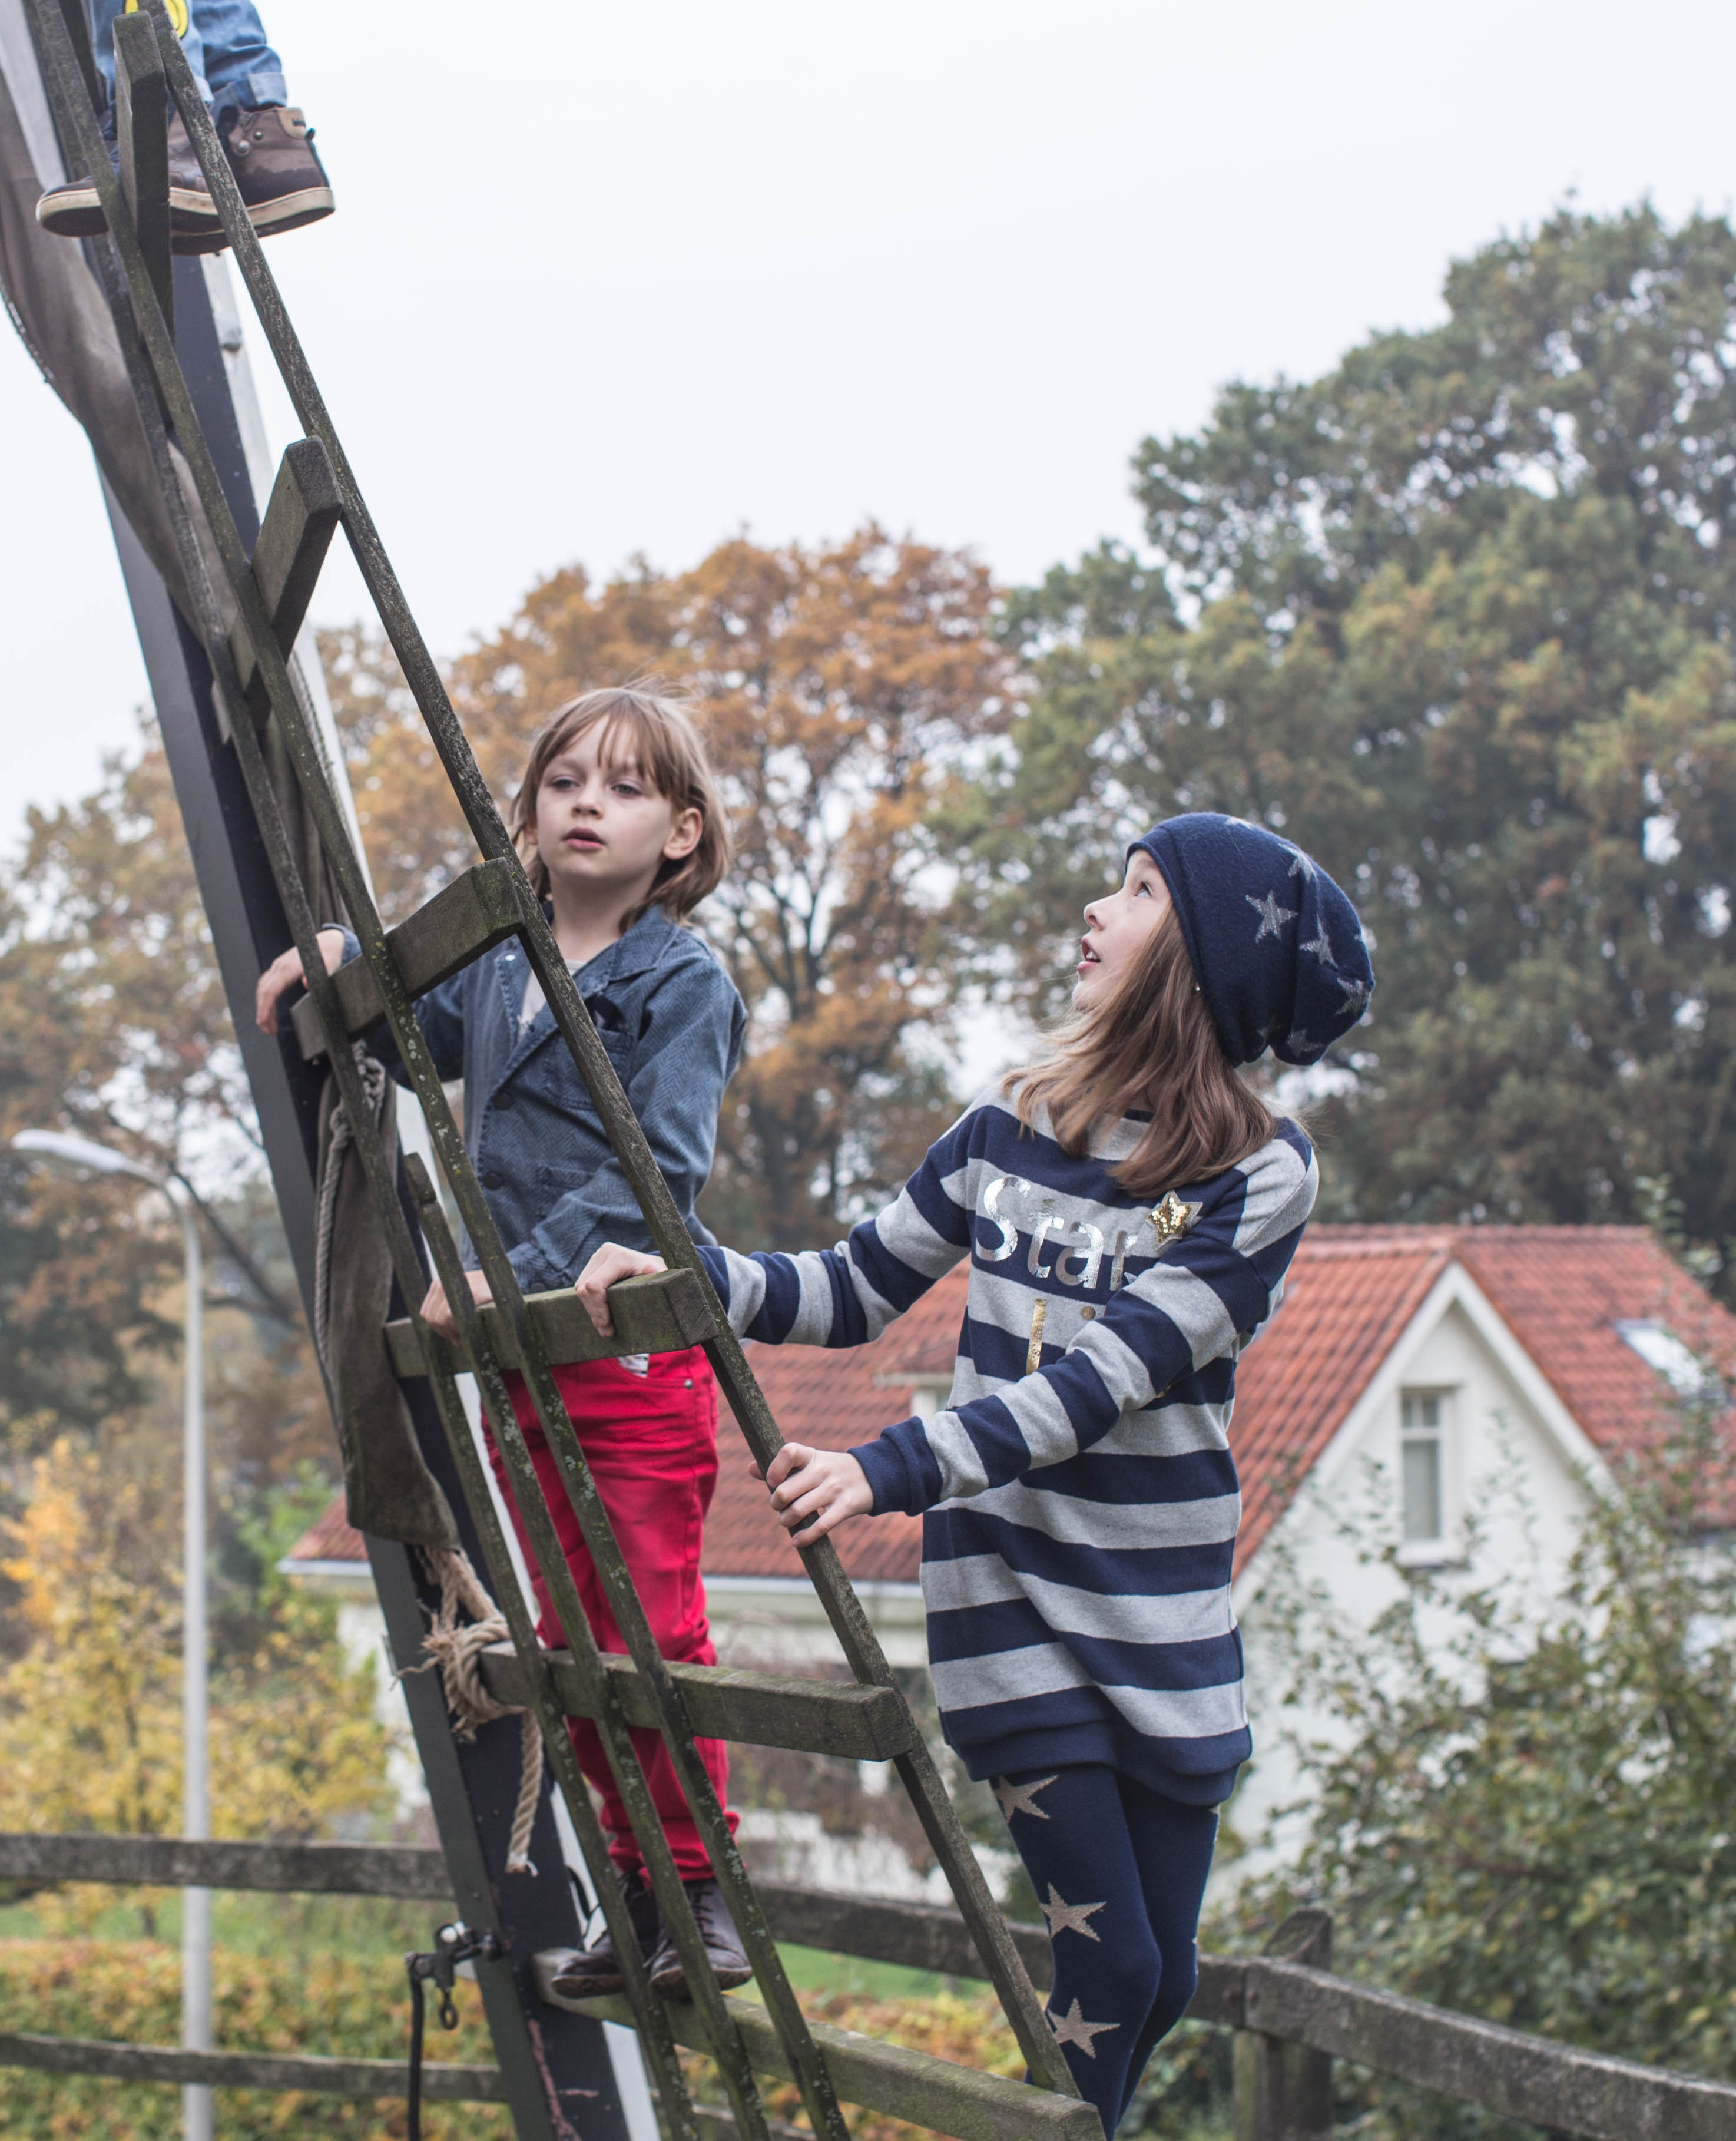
{"type": "Point", "coordinates": [587, 1973]}
{"type": "Point", "coordinates": [723, 1951]}
{"type": "Point", "coordinates": [281, 179]}
{"type": "Point", "coordinates": [75, 209]}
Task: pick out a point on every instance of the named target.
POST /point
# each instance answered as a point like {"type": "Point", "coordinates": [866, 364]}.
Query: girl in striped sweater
{"type": "Point", "coordinates": [1130, 1206]}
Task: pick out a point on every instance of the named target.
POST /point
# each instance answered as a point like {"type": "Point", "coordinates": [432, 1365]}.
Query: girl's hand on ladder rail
{"type": "Point", "coordinates": [437, 1310]}
{"type": "Point", "coordinates": [814, 1490]}
{"type": "Point", "coordinates": [285, 971]}
{"type": "Point", "coordinates": [610, 1263]}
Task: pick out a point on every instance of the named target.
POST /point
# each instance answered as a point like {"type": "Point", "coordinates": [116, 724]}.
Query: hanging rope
{"type": "Point", "coordinates": [455, 1646]}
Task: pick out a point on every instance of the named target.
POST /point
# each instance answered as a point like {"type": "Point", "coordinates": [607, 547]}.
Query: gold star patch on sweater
{"type": "Point", "coordinates": [1172, 1218]}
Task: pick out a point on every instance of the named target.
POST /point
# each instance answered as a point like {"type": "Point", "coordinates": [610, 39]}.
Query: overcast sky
{"type": "Point", "coordinates": [616, 279]}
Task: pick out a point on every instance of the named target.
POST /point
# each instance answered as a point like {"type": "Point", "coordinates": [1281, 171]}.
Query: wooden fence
{"type": "Point", "coordinates": [1291, 2017]}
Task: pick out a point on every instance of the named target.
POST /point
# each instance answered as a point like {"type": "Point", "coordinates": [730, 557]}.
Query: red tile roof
{"type": "Point", "coordinates": [1562, 1289]}
{"type": "Point", "coordinates": [1352, 1292]}
{"type": "Point", "coordinates": [331, 1538]}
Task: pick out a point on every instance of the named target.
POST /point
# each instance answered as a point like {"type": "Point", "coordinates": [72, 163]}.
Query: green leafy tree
{"type": "Point", "coordinates": [113, 1023]}
{"type": "Point", "coordinates": [1457, 616]}
{"type": "Point", "coordinates": [1521, 1809]}
{"type": "Point", "coordinates": [91, 1709]}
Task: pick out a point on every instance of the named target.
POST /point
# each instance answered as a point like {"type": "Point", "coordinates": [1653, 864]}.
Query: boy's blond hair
{"type": "Point", "coordinates": [657, 735]}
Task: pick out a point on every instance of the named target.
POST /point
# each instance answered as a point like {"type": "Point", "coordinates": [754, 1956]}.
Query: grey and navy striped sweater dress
{"type": "Point", "coordinates": [1079, 1521]}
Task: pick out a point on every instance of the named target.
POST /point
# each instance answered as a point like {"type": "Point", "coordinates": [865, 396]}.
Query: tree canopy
{"type": "Point", "coordinates": [1455, 616]}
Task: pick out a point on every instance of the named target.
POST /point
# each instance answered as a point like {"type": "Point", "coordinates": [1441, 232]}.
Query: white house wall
{"type": "Point", "coordinates": [1510, 1455]}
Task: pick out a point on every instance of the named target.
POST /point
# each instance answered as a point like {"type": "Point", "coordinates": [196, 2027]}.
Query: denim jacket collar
{"type": "Point", "coordinates": [636, 953]}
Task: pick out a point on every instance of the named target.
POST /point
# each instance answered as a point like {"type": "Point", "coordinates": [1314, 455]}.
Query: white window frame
{"type": "Point", "coordinates": [928, 1393]}
{"type": "Point", "coordinates": [1431, 1552]}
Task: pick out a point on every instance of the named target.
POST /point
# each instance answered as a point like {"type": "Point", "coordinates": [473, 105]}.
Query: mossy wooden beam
{"type": "Point", "coordinates": [961, 2101]}
{"type": "Point", "coordinates": [294, 537]}
{"type": "Point", "coordinates": [456, 925]}
{"type": "Point", "coordinates": [663, 1312]}
{"type": "Point", "coordinates": [762, 1710]}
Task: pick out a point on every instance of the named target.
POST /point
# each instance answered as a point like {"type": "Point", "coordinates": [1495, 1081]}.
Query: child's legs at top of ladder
{"type": "Point", "coordinates": [225, 44]}
{"type": "Point", "coordinates": [651, 1442]}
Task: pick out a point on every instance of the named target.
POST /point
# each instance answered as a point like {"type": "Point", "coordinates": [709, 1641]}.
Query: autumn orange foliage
{"type": "Point", "coordinates": [838, 687]}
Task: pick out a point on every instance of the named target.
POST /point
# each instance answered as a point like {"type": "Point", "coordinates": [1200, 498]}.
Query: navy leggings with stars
{"type": "Point", "coordinates": [1120, 1871]}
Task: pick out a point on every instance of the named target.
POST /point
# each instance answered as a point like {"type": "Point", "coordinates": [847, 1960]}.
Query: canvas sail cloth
{"type": "Point", "coordinates": [58, 307]}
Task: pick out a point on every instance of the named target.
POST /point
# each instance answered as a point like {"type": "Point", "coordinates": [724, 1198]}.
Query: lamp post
{"type": "Point", "coordinates": [196, 2102]}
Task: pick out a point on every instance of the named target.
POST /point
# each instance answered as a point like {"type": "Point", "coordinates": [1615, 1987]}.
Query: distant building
{"type": "Point", "coordinates": [1409, 1372]}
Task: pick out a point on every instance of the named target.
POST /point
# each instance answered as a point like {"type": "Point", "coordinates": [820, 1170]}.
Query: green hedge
{"type": "Point", "coordinates": [129, 1991]}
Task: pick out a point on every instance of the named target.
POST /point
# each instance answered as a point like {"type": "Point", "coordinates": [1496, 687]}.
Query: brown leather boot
{"type": "Point", "coordinates": [75, 209]}
{"type": "Point", "coordinates": [282, 180]}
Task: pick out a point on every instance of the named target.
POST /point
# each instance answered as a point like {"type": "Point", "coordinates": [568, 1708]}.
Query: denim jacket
{"type": "Point", "coordinates": [673, 1024]}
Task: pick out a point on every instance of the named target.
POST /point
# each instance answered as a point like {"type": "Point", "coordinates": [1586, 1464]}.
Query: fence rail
{"type": "Point", "coordinates": [168, 1862]}
{"type": "Point", "coordinates": [1291, 2017]}
{"type": "Point", "coordinates": [364, 2079]}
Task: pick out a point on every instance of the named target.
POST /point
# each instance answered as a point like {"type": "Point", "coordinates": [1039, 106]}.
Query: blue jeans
{"type": "Point", "coordinates": [224, 41]}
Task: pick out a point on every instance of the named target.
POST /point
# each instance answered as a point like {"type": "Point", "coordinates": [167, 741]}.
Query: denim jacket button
{"type": "Point", "coordinates": [492, 1179]}
{"type": "Point", "coordinates": [502, 1098]}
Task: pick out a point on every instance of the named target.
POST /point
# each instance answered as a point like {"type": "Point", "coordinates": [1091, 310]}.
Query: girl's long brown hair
{"type": "Point", "coordinates": [1151, 1045]}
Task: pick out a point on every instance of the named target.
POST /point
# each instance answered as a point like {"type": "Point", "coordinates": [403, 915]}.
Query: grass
{"type": "Point", "coordinates": [820, 1972]}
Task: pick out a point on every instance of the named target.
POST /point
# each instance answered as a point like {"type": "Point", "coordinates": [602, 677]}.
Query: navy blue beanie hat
{"type": "Point", "coordinates": [1276, 947]}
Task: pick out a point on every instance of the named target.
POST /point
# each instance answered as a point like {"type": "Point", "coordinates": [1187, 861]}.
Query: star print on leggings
{"type": "Point", "coordinates": [1070, 1918]}
{"type": "Point", "coordinates": [1021, 1799]}
{"type": "Point", "coordinates": [1072, 2028]}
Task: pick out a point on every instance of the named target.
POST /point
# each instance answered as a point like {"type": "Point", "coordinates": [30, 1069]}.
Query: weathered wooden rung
{"type": "Point", "coordinates": [459, 924]}
{"type": "Point", "coordinates": [762, 1710]}
{"type": "Point", "coordinates": [294, 537]}
{"type": "Point", "coordinates": [141, 124]}
{"type": "Point", "coordinates": [662, 1313]}
{"type": "Point", "coordinates": [929, 2092]}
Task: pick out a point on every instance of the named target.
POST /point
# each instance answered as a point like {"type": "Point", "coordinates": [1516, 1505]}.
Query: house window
{"type": "Point", "coordinates": [928, 1393]}
{"type": "Point", "coordinates": [1421, 1415]}
{"type": "Point", "coordinates": [1663, 1351]}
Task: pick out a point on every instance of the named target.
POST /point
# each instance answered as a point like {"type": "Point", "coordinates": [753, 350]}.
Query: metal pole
{"type": "Point", "coordinates": [196, 2098]}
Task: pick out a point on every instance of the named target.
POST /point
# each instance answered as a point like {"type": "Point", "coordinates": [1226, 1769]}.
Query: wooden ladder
{"type": "Point", "coordinates": [248, 609]}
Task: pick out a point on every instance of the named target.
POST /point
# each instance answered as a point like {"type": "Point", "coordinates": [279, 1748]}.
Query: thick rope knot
{"type": "Point", "coordinates": [455, 1647]}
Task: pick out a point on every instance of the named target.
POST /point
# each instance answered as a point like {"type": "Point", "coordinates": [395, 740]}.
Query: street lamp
{"type": "Point", "coordinates": [196, 2102]}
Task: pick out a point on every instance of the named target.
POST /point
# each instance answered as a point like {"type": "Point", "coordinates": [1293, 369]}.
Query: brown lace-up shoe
{"type": "Point", "coordinates": [75, 209]}
{"type": "Point", "coordinates": [723, 1951]}
{"type": "Point", "coordinates": [583, 1973]}
{"type": "Point", "coordinates": [281, 179]}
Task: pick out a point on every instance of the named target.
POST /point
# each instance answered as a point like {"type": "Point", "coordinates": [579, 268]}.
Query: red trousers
{"type": "Point", "coordinates": [651, 1442]}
